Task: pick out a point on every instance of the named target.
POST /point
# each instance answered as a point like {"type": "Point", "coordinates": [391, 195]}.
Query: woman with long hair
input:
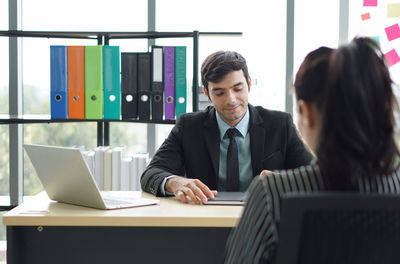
{"type": "Point", "coordinates": [345, 109]}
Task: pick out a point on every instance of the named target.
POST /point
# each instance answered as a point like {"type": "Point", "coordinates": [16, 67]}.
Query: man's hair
{"type": "Point", "coordinates": [219, 64]}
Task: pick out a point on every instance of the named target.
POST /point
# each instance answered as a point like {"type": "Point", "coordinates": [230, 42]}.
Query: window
{"type": "Point", "coordinates": [374, 26]}
{"type": "Point", "coordinates": [4, 60]}
{"type": "Point", "coordinates": [316, 23]}
{"type": "Point", "coordinates": [262, 43]}
{"type": "Point", "coordinates": [61, 134]}
{"type": "Point", "coordinates": [4, 165]}
{"type": "Point", "coordinates": [90, 16]}
{"type": "Point", "coordinates": [371, 21]}
{"type": "Point", "coordinates": [4, 131]}
{"type": "Point", "coordinates": [263, 24]}
{"type": "Point", "coordinates": [4, 157]}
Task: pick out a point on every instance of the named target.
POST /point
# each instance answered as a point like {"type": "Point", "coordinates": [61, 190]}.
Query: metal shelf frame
{"type": "Point", "coordinates": [102, 37]}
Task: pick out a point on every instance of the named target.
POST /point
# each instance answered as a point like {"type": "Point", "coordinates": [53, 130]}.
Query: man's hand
{"type": "Point", "coordinates": [184, 188]}
{"type": "Point", "coordinates": [265, 172]}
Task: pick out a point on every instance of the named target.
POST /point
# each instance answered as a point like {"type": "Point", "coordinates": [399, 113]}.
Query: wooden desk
{"type": "Point", "coordinates": [44, 231]}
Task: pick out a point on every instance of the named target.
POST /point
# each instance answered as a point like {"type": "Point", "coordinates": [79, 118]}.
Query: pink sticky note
{"type": "Point", "coordinates": [393, 32]}
{"type": "Point", "coordinates": [392, 57]}
{"type": "Point", "coordinates": [365, 16]}
{"type": "Point", "coordinates": [370, 2]}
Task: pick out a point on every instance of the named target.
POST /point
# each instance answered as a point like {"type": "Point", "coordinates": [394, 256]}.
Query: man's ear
{"type": "Point", "coordinates": [249, 81]}
{"type": "Point", "coordinates": [307, 110]}
{"type": "Point", "coordinates": [206, 93]}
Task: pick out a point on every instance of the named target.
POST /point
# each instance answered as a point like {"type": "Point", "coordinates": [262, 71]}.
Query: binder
{"type": "Point", "coordinates": [140, 160]}
{"type": "Point", "coordinates": [169, 82]}
{"type": "Point", "coordinates": [107, 170]}
{"type": "Point", "coordinates": [125, 173]}
{"type": "Point", "coordinates": [76, 82]}
{"type": "Point", "coordinates": [111, 82]}
{"type": "Point", "coordinates": [58, 82]}
{"type": "Point", "coordinates": [157, 86]}
{"type": "Point", "coordinates": [144, 78]}
{"type": "Point", "coordinates": [93, 82]}
{"type": "Point", "coordinates": [129, 78]}
{"type": "Point", "coordinates": [180, 80]}
{"type": "Point", "coordinates": [88, 155]}
{"type": "Point", "coordinates": [99, 153]}
{"type": "Point", "coordinates": [134, 177]}
{"type": "Point", "coordinates": [117, 156]}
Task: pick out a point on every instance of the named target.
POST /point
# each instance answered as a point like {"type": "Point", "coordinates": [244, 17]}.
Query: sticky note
{"type": "Point", "coordinates": [393, 32]}
{"type": "Point", "coordinates": [392, 57]}
{"type": "Point", "coordinates": [370, 2]}
{"type": "Point", "coordinates": [365, 16]}
{"type": "Point", "coordinates": [393, 10]}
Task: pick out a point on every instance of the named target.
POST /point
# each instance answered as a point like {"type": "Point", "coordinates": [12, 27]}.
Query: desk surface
{"type": "Point", "coordinates": [41, 211]}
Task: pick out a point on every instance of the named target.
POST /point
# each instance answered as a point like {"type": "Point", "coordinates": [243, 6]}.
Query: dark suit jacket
{"type": "Point", "coordinates": [192, 148]}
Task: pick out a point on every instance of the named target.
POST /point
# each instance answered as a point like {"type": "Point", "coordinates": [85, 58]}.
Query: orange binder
{"type": "Point", "coordinates": [76, 82]}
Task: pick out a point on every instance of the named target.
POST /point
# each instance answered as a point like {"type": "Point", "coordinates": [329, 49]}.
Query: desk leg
{"type": "Point", "coordinates": [115, 245]}
{"type": "Point", "coordinates": [13, 246]}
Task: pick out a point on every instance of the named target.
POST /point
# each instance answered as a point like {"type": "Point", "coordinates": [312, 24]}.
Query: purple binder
{"type": "Point", "coordinates": [169, 82]}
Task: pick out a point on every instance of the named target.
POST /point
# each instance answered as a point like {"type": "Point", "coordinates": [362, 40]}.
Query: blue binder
{"type": "Point", "coordinates": [58, 82]}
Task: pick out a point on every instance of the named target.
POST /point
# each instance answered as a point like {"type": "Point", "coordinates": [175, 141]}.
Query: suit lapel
{"type": "Point", "coordinates": [211, 133]}
{"type": "Point", "coordinates": [257, 139]}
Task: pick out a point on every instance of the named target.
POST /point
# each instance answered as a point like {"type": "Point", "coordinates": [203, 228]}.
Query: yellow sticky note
{"type": "Point", "coordinates": [393, 10]}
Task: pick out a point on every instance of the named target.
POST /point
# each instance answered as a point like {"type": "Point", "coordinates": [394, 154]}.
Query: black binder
{"type": "Point", "coordinates": [129, 85]}
{"type": "Point", "coordinates": [144, 85]}
{"type": "Point", "coordinates": [157, 85]}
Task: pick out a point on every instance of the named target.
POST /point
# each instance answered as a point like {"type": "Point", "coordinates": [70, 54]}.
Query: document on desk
{"type": "Point", "coordinates": [227, 198]}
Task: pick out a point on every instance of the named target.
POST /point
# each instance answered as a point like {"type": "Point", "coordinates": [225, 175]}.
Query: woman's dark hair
{"type": "Point", "coordinates": [312, 76]}
{"type": "Point", "coordinates": [219, 64]}
{"type": "Point", "coordinates": [357, 102]}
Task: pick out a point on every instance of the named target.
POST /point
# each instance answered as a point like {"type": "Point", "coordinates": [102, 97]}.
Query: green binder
{"type": "Point", "coordinates": [93, 82]}
{"type": "Point", "coordinates": [111, 82]}
{"type": "Point", "coordinates": [180, 80]}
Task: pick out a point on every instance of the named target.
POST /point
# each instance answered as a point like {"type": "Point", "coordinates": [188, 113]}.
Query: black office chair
{"type": "Point", "coordinates": [339, 228]}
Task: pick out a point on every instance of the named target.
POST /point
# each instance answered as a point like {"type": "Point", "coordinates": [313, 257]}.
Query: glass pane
{"type": "Point", "coordinates": [4, 165]}
{"type": "Point", "coordinates": [3, 15]}
{"type": "Point", "coordinates": [314, 29]}
{"type": "Point", "coordinates": [162, 133]}
{"type": "Point", "coordinates": [120, 16]}
{"type": "Point", "coordinates": [266, 68]}
{"type": "Point", "coordinates": [99, 15]}
{"type": "Point", "coordinates": [36, 72]}
{"type": "Point", "coordinates": [372, 21]}
{"type": "Point", "coordinates": [133, 136]}
{"type": "Point", "coordinates": [57, 134]}
{"type": "Point", "coordinates": [4, 76]}
{"type": "Point", "coordinates": [4, 59]}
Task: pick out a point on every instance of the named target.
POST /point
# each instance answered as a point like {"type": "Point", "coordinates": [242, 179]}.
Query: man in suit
{"type": "Point", "coordinates": [225, 146]}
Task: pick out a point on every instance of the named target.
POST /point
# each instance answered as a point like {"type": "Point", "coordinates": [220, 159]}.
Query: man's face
{"type": "Point", "coordinates": [230, 96]}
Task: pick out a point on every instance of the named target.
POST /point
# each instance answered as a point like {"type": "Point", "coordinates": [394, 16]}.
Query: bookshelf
{"type": "Point", "coordinates": [103, 135]}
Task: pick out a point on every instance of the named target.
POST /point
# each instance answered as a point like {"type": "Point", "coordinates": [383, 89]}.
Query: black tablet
{"type": "Point", "coordinates": [227, 198]}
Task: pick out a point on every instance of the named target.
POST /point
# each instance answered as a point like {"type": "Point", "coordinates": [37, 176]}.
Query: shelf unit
{"type": "Point", "coordinates": [103, 128]}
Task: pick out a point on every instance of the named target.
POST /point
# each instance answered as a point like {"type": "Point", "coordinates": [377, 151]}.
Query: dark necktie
{"type": "Point", "coordinates": [232, 162]}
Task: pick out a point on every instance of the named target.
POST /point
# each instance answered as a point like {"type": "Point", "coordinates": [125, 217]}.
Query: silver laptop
{"type": "Point", "coordinates": [67, 179]}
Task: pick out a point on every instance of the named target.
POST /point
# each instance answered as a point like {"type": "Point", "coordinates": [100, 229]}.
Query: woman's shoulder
{"type": "Point", "coordinates": [302, 179]}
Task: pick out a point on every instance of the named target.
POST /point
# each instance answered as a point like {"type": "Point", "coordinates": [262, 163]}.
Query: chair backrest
{"type": "Point", "coordinates": [339, 228]}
